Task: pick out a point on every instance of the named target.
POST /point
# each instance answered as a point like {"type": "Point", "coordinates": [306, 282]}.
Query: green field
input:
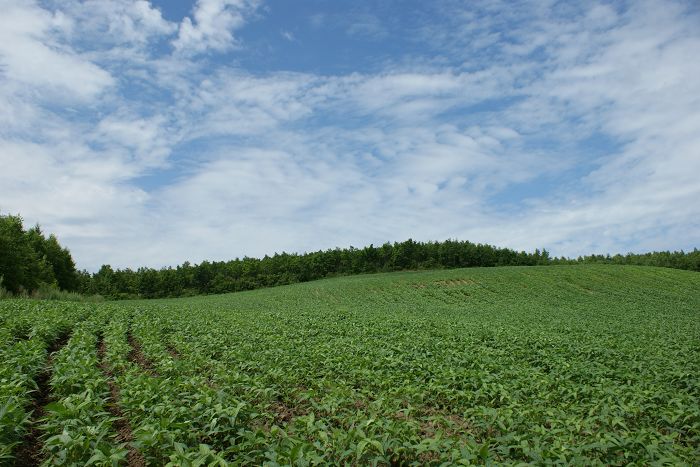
{"type": "Point", "coordinates": [558, 364]}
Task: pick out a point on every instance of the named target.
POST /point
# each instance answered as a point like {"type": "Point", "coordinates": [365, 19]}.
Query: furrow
{"type": "Point", "coordinates": [29, 452]}
{"type": "Point", "coordinates": [122, 425]}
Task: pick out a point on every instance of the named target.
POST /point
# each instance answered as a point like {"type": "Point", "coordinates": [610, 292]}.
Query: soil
{"type": "Point", "coordinates": [137, 356]}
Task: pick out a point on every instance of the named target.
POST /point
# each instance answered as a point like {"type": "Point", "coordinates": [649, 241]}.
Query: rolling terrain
{"type": "Point", "coordinates": [586, 364]}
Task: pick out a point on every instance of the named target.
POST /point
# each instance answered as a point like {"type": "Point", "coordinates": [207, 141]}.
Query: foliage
{"type": "Point", "coordinates": [587, 364]}
{"type": "Point", "coordinates": [36, 266]}
{"type": "Point", "coordinates": [77, 428]}
{"type": "Point", "coordinates": [51, 292]}
{"type": "Point", "coordinates": [666, 259]}
{"type": "Point", "coordinates": [4, 293]}
{"type": "Point", "coordinates": [284, 268]}
{"type": "Point", "coordinates": [28, 259]}
{"type": "Point", "coordinates": [281, 269]}
{"type": "Point", "coordinates": [28, 330]}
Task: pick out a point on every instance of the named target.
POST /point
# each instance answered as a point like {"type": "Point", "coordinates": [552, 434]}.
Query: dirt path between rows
{"type": "Point", "coordinates": [124, 433]}
{"type": "Point", "coordinates": [29, 452]}
{"type": "Point", "coordinates": [137, 356]}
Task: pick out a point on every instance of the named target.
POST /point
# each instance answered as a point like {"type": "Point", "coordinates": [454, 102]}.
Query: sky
{"type": "Point", "coordinates": [152, 133]}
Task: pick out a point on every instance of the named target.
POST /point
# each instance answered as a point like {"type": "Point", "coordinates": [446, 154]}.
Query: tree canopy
{"type": "Point", "coordinates": [288, 268]}
{"type": "Point", "coordinates": [28, 258]}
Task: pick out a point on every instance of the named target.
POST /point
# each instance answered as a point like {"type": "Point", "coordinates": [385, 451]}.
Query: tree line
{"type": "Point", "coordinates": [285, 268]}
{"type": "Point", "coordinates": [665, 259]}
{"type": "Point", "coordinates": [29, 259]}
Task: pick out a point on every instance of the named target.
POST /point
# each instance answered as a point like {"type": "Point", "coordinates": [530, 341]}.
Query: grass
{"type": "Point", "coordinates": [567, 364]}
{"type": "Point", "coordinates": [49, 292]}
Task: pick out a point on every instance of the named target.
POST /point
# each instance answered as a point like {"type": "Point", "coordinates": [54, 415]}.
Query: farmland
{"type": "Point", "coordinates": [587, 364]}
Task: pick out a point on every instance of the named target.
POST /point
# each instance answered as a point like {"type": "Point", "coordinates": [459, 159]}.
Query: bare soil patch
{"type": "Point", "coordinates": [173, 352]}
{"type": "Point", "coordinates": [137, 356]}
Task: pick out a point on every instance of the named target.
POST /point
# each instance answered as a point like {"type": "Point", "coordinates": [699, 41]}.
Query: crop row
{"type": "Point", "coordinates": [590, 366]}
{"type": "Point", "coordinates": [31, 332]}
{"type": "Point", "coordinates": [78, 429]}
{"type": "Point", "coordinates": [174, 418]}
{"type": "Point", "coordinates": [528, 366]}
{"type": "Point", "coordinates": [22, 362]}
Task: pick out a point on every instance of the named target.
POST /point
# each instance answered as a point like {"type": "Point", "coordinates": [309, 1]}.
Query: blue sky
{"type": "Point", "coordinates": [151, 133]}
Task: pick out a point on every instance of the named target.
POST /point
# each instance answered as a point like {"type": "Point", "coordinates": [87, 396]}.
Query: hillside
{"type": "Point", "coordinates": [585, 364]}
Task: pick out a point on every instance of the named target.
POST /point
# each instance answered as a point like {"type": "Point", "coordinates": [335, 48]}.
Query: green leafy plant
{"type": "Point", "coordinates": [588, 364]}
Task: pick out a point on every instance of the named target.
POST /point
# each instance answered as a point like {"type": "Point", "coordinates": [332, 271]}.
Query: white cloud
{"type": "Point", "coordinates": [422, 95]}
{"type": "Point", "coordinates": [59, 186]}
{"type": "Point", "coordinates": [631, 84]}
{"type": "Point", "coordinates": [111, 22]}
{"type": "Point", "coordinates": [147, 140]}
{"type": "Point", "coordinates": [263, 162]}
{"type": "Point", "coordinates": [32, 61]}
{"type": "Point", "coordinates": [213, 25]}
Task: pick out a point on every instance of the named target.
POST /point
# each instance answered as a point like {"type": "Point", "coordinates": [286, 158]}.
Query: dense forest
{"type": "Point", "coordinates": [252, 273]}
{"type": "Point", "coordinates": [28, 259]}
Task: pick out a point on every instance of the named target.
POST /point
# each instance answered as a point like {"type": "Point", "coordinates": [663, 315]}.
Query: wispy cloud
{"type": "Point", "coordinates": [568, 126]}
{"type": "Point", "coordinates": [367, 26]}
{"type": "Point", "coordinates": [213, 25]}
{"type": "Point", "coordinates": [317, 20]}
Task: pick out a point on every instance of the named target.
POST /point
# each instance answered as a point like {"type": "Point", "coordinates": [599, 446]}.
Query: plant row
{"type": "Point", "coordinates": [176, 417]}
{"type": "Point", "coordinates": [78, 429]}
{"type": "Point", "coordinates": [32, 330]}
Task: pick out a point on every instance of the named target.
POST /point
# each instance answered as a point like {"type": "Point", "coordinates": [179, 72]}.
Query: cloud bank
{"type": "Point", "coordinates": [141, 141]}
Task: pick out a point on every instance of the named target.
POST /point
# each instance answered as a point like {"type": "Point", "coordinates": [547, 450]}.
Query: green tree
{"type": "Point", "coordinates": [62, 263]}
{"type": "Point", "coordinates": [17, 258]}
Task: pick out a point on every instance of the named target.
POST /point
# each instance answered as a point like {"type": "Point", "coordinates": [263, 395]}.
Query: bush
{"type": "Point", "coordinates": [49, 292]}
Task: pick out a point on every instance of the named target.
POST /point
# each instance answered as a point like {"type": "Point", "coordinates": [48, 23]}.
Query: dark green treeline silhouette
{"type": "Point", "coordinates": [252, 273]}
{"type": "Point", "coordinates": [28, 259]}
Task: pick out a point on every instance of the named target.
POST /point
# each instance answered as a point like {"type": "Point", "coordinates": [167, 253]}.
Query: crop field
{"type": "Point", "coordinates": [558, 364]}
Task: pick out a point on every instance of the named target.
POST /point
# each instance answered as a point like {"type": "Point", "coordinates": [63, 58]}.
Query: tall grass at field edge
{"type": "Point", "coordinates": [49, 292]}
